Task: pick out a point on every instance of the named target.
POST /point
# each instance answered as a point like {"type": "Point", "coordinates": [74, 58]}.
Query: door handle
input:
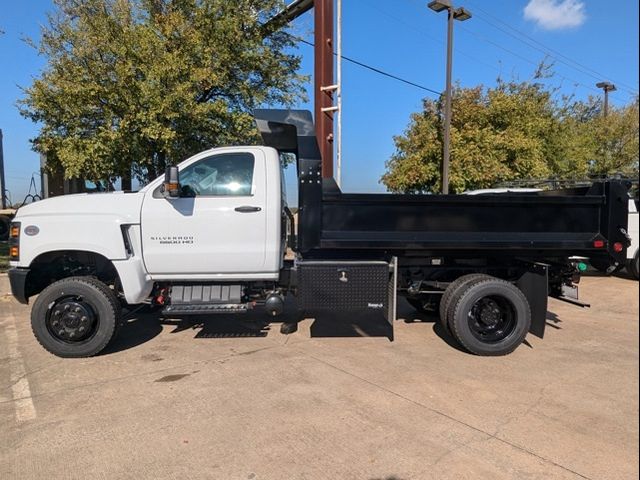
{"type": "Point", "coordinates": [247, 209]}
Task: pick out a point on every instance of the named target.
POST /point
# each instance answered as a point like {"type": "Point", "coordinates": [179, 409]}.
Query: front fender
{"type": "Point", "coordinates": [136, 284]}
{"type": "Point", "coordinates": [101, 234]}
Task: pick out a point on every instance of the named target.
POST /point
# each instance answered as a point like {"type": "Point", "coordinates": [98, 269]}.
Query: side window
{"type": "Point", "coordinates": [229, 174]}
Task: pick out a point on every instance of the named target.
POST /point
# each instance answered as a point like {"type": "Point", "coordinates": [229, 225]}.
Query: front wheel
{"type": "Point", "coordinates": [490, 317]}
{"type": "Point", "coordinates": [76, 317]}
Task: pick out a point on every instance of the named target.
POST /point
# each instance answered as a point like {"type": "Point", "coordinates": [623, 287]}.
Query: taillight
{"type": "Point", "coordinates": [14, 241]}
{"type": "Point", "coordinates": [598, 244]}
{"type": "Point", "coordinates": [618, 247]}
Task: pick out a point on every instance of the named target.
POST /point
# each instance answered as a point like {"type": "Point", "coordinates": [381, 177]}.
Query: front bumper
{"type": "Point", "coordinates": [18, 281]}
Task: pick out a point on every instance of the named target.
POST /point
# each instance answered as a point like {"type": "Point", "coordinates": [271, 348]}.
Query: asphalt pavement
{"type": "Point", "coordinates": [233, 398]}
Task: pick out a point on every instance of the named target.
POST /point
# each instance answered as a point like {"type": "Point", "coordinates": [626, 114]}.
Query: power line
{"type": "Point", "coordinates": [433, 38]}
{"type": "Point", "coordinates": [547, 50]}
{"type": "Point", "coordinates": [525, 59]}
{"type": "Point", "coordinates": [433, 91]}
{"type": "Point", "coordinates": [374, 69]}
{"type": "Point", "coordinates": [522, 57]}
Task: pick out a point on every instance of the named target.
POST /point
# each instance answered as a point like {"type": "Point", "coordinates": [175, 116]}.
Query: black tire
{"type": "Point", "coordinates": [632, 265]}
{"type": "Point", "coordinates": [457, 286]}
{"type": "Point", "coordinates": [76, 317]}
{"type": "Point", "coordinates": [427, 304]}
{"type": "Point", "coordinates": [4, 228]}
{"type": "Point", "coordinates": [490, 318]}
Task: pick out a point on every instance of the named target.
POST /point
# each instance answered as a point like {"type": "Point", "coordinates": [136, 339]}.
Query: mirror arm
{"type": "Point", "coordinates": [171, 182]}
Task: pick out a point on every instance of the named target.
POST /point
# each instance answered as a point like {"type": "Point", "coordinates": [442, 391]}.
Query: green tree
{"type": "Point", "coordinates": [133, 85]}
{"type": "Point", "coordinates": [594, 145]}
{"type": "Point", "coordinates": [515, 130]}
{"type": "Point", "coordinates": [613, 142]}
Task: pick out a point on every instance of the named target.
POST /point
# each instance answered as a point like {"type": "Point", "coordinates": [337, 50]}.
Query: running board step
{"type": "Point", "coordinates": [205, 309]}
{"type": "Point", "coordinates": [205, 294]}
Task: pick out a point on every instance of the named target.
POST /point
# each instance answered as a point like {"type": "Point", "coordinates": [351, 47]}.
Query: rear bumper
{"type": "Point", "coordinates": [18, 281]}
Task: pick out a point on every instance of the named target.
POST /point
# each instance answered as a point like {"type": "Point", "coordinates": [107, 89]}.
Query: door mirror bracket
{"type": "Point", "coordinates": [171, 188]}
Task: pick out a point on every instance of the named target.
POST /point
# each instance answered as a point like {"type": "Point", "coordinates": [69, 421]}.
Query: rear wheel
{"type": "Point", "coordinates": [454, 287]}
{"type": "Point", "coordinates": [76, 317]}
{"type": "Point", "coordinates": [490, 317]}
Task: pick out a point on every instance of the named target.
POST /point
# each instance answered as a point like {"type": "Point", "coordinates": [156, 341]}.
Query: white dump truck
{"type": "Point", "coordinates": [212, 237]}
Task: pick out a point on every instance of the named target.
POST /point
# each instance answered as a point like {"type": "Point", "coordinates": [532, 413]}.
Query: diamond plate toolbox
{"type": "Point", "coordinates": [343, 286]}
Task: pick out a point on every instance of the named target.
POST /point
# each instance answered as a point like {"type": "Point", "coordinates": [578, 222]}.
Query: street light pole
{"type": "Point", "coordinates": [460, 14]}
{"type": "Point", "coordinates": [446, 153]}
{"type": "Point", "coordinates": [606, 87]}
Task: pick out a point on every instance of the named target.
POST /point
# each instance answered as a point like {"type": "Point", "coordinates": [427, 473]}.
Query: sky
{"type": "Point", "coordinates": [590, 41]}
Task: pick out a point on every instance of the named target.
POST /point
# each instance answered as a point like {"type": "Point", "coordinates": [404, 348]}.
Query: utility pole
{"type": "Point", "coordinates": [324, 86]}
{"type": "Point", "coordinates": [606, 87]}
{"type": "Point", "coordinates": [339, 94]}
{"type": "Point", "coordinates": [3, 198]}
{"type": "Point", "coordinates": [460, 14]}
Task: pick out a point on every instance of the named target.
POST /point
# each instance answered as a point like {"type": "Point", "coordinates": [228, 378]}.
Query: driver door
{"type": "Point", "coordinates": [216, 228]}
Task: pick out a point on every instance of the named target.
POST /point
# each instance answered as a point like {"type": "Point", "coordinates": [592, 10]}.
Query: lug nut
{"type": "Point", "coordinates": [83, 319]}
{"type": "Point", "coordinates": [81, 329]}
{"type": "Point", "coordinates": [72, 334]}
{"type": "Point", "coordinates": [61, 333]}
{"type": "Point", "coordinates": [67, 308]}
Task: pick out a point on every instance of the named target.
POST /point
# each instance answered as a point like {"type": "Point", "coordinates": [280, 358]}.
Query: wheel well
{"type": "Point", "coordinates": [52, 266]}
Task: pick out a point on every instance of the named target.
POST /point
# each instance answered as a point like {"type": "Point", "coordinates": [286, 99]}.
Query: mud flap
{"type": "Point", "coordinates": [392, 300]}
{"type": "Point", "coordinates": [535, 286]}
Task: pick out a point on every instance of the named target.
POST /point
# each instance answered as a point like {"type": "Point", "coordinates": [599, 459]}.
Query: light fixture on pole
{"type": "Point", "coordinates": [607, 87]}
{"type": "Point", "coordinates": [460, 14]}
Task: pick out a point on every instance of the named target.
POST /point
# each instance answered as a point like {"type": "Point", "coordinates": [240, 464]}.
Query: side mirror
{"type": "Point", "coordinates": [171, 182]}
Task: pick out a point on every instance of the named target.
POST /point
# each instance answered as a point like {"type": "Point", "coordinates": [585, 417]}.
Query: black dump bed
{"type": "Point", "coordinates": [586, 221]}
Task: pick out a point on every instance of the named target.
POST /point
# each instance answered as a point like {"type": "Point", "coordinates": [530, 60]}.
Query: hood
{"type": "Point", "coordinates": [125, 206]}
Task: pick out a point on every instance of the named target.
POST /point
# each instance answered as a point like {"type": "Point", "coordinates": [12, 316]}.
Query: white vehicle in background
{"type": "Point", "coordinates": [632, 251]}
{"type": "Point", "coordinates": [486, 191]}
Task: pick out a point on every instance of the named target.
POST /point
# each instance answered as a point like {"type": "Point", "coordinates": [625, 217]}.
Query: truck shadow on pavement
{"type": "Point", "coordinates": [351, 325]}
{"type": "Point", "coordinates": [142, 327]}
{"type": "Point", "coordinates": [407, 313]}
{"type": "Point", "coordinates": [145, 324]}
{"type": "Point", "coordinates": [410, 315]}
{"type": "Point", "coordinates": [220, 326]}
{"type": "Point", "coordinates": [553, 320]}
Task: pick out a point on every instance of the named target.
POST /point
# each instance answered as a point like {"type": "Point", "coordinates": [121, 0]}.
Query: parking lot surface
{"type": "Point", "coordinates": [231, 398]}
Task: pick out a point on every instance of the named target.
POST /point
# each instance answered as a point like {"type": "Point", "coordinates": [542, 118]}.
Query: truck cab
{"type": "Point", "coordinates": [224, 225]}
